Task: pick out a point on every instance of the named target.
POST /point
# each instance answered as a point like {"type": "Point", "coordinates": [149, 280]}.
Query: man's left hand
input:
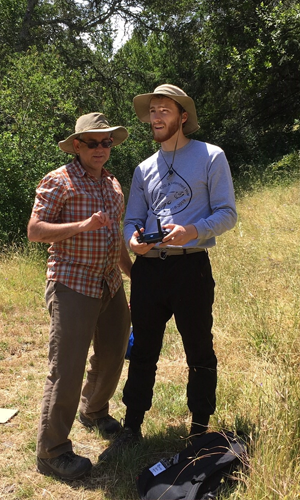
{"type": "Point", "coordinates": [179, 235]}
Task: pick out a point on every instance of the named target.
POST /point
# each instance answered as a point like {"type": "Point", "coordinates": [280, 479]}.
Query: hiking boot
{"type": "Point", "coordinates": [105, 425]}
{"type": "Point", "coordinates": [67, 466]}
{"type": "Point", "coordinates": [126, 439]}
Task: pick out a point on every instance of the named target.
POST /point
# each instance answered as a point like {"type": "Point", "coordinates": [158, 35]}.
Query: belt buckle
{"type": "Point", "coordinates": [163, 254]}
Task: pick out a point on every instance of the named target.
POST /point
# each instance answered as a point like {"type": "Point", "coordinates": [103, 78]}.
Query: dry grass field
{"type": "Point", "coordinates": [256, 329]}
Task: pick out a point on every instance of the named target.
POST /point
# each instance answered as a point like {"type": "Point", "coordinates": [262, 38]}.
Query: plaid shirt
{"type": "Point", "coordinates": [84, 261]}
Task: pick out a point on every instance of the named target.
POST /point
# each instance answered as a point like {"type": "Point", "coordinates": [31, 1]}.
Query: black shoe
{"type": "Point", "coordinates": [126, 439]}
{"type": "Point", "coordinates": [67, 466]}
{"type": "Point", "coordinates": [105, 425]}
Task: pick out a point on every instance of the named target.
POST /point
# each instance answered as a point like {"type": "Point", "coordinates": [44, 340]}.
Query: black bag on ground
{"type": "Point", "coordinates": [196, 473]}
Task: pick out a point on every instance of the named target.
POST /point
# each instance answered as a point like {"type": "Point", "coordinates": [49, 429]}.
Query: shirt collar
{"type": "Point", "coordinates": [80, 172]}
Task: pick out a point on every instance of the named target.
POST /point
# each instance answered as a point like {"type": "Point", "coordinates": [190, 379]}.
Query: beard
{"type": "Point", "coordinates": [167, 132]}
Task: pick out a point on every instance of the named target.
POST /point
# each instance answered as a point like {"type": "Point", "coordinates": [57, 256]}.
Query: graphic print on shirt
{"type": "Point", "coordinates": [171, 195]}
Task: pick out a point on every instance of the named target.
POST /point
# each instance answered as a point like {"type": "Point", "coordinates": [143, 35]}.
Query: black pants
{"type": "Point", "coordinates": [180, 285]}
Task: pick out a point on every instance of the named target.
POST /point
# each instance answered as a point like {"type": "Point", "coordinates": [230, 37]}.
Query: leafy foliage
{"type": "Point", "coordinates": [238, 60]}
{"type": "Point", "coordinates": [38, 103]}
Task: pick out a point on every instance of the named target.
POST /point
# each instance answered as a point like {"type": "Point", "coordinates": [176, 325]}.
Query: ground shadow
{"type": "Point", "coordinates": [117, 477]}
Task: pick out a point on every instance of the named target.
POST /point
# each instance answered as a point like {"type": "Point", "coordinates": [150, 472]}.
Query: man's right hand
{"type": "Point", "coordinates": [96, 221]}
{"type": "Point", "coordinates": [51, 232]}
{"type": "Point", "coordinates": [139, 248]}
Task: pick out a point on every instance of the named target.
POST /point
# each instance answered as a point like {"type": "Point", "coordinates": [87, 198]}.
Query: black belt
{"type": "Point", "coordinates": [163, 253]}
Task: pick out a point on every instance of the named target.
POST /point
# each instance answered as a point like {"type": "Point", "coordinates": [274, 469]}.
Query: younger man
{"type": "Point", "coordinates": [187, 184]}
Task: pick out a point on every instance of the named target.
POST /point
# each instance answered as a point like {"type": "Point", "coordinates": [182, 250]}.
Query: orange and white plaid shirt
{"type": "Point", "coordinates": [85, 261]}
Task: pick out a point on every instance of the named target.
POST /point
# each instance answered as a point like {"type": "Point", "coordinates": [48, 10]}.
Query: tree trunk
{"type": "Point", "coordinates": [24, 36]}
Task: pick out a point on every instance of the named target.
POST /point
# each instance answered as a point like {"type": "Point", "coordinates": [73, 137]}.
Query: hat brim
{"type": "Point", "coordinates": [119, 135]}
{"type": "Point", "coordinates": [142, 103]}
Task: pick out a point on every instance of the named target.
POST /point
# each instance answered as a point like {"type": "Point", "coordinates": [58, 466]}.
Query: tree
{"type": "Point", "coordinates": [238, 60]}
{"type": "Point", "coordinates": [240, 63]}
{"type": "Point", "coordinates": [252, 86]}
{"type": "Point", "coordinates": [40, 99]}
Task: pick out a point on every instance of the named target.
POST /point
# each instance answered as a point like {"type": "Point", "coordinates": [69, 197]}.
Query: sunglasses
{"type": "Point", "coordinates": [106, 143]}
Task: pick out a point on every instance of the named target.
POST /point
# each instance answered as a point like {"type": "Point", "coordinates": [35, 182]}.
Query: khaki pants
{"type": "Point", "coordinates": [76, 321]}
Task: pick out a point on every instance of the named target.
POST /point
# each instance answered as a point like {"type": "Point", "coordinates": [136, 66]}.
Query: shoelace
{"type": "Point", "coordinates": [67, 458]}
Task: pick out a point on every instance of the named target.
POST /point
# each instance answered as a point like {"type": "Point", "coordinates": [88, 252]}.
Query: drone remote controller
{"type": "Point", "coordinates": [152, 237]}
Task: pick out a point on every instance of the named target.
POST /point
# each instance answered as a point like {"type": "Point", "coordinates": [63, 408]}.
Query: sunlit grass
{"type": "Point", "coordinates": [256, 267]}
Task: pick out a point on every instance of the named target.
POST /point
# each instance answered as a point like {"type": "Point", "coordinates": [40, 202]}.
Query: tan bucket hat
{"type": "Point", "coordinates": [93, 122]}
{"type": "Point", "coordinates": [142, 103]}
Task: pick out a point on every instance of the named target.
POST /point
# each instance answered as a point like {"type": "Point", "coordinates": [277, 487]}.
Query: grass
{"type": "Point", "coordinates": [256, 329]}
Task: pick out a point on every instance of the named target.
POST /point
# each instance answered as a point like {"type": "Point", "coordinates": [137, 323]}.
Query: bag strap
{"type": "Point", "coordinates": [230, 450]}
{"type": "Point", "coordinates": [226, 451]}
{"type": "Point", "coordinates": [191, 495]}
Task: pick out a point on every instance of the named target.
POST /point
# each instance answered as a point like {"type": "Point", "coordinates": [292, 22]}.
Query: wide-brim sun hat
{"type": "Point", "coordinates": [93, 122]}
{"type": "Point", "coordinates": [142, 104]}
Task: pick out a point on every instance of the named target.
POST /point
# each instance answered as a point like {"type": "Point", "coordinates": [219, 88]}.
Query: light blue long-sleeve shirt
{"type": "Point", "coordinates": [198, 192]}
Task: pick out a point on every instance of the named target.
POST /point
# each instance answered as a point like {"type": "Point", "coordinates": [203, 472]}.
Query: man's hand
{"type": "Point", "coordinates": [179, 235]}
{"type": "Point", "coordinates": [96, 221]}
{"type": "Point", "coordinates": [49, 232]}
{"type": "Point", "coordinates": [139, 248]}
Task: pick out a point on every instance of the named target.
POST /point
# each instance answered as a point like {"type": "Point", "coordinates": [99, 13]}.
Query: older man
{"type": "Point", "coordinates": [77, 210]}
